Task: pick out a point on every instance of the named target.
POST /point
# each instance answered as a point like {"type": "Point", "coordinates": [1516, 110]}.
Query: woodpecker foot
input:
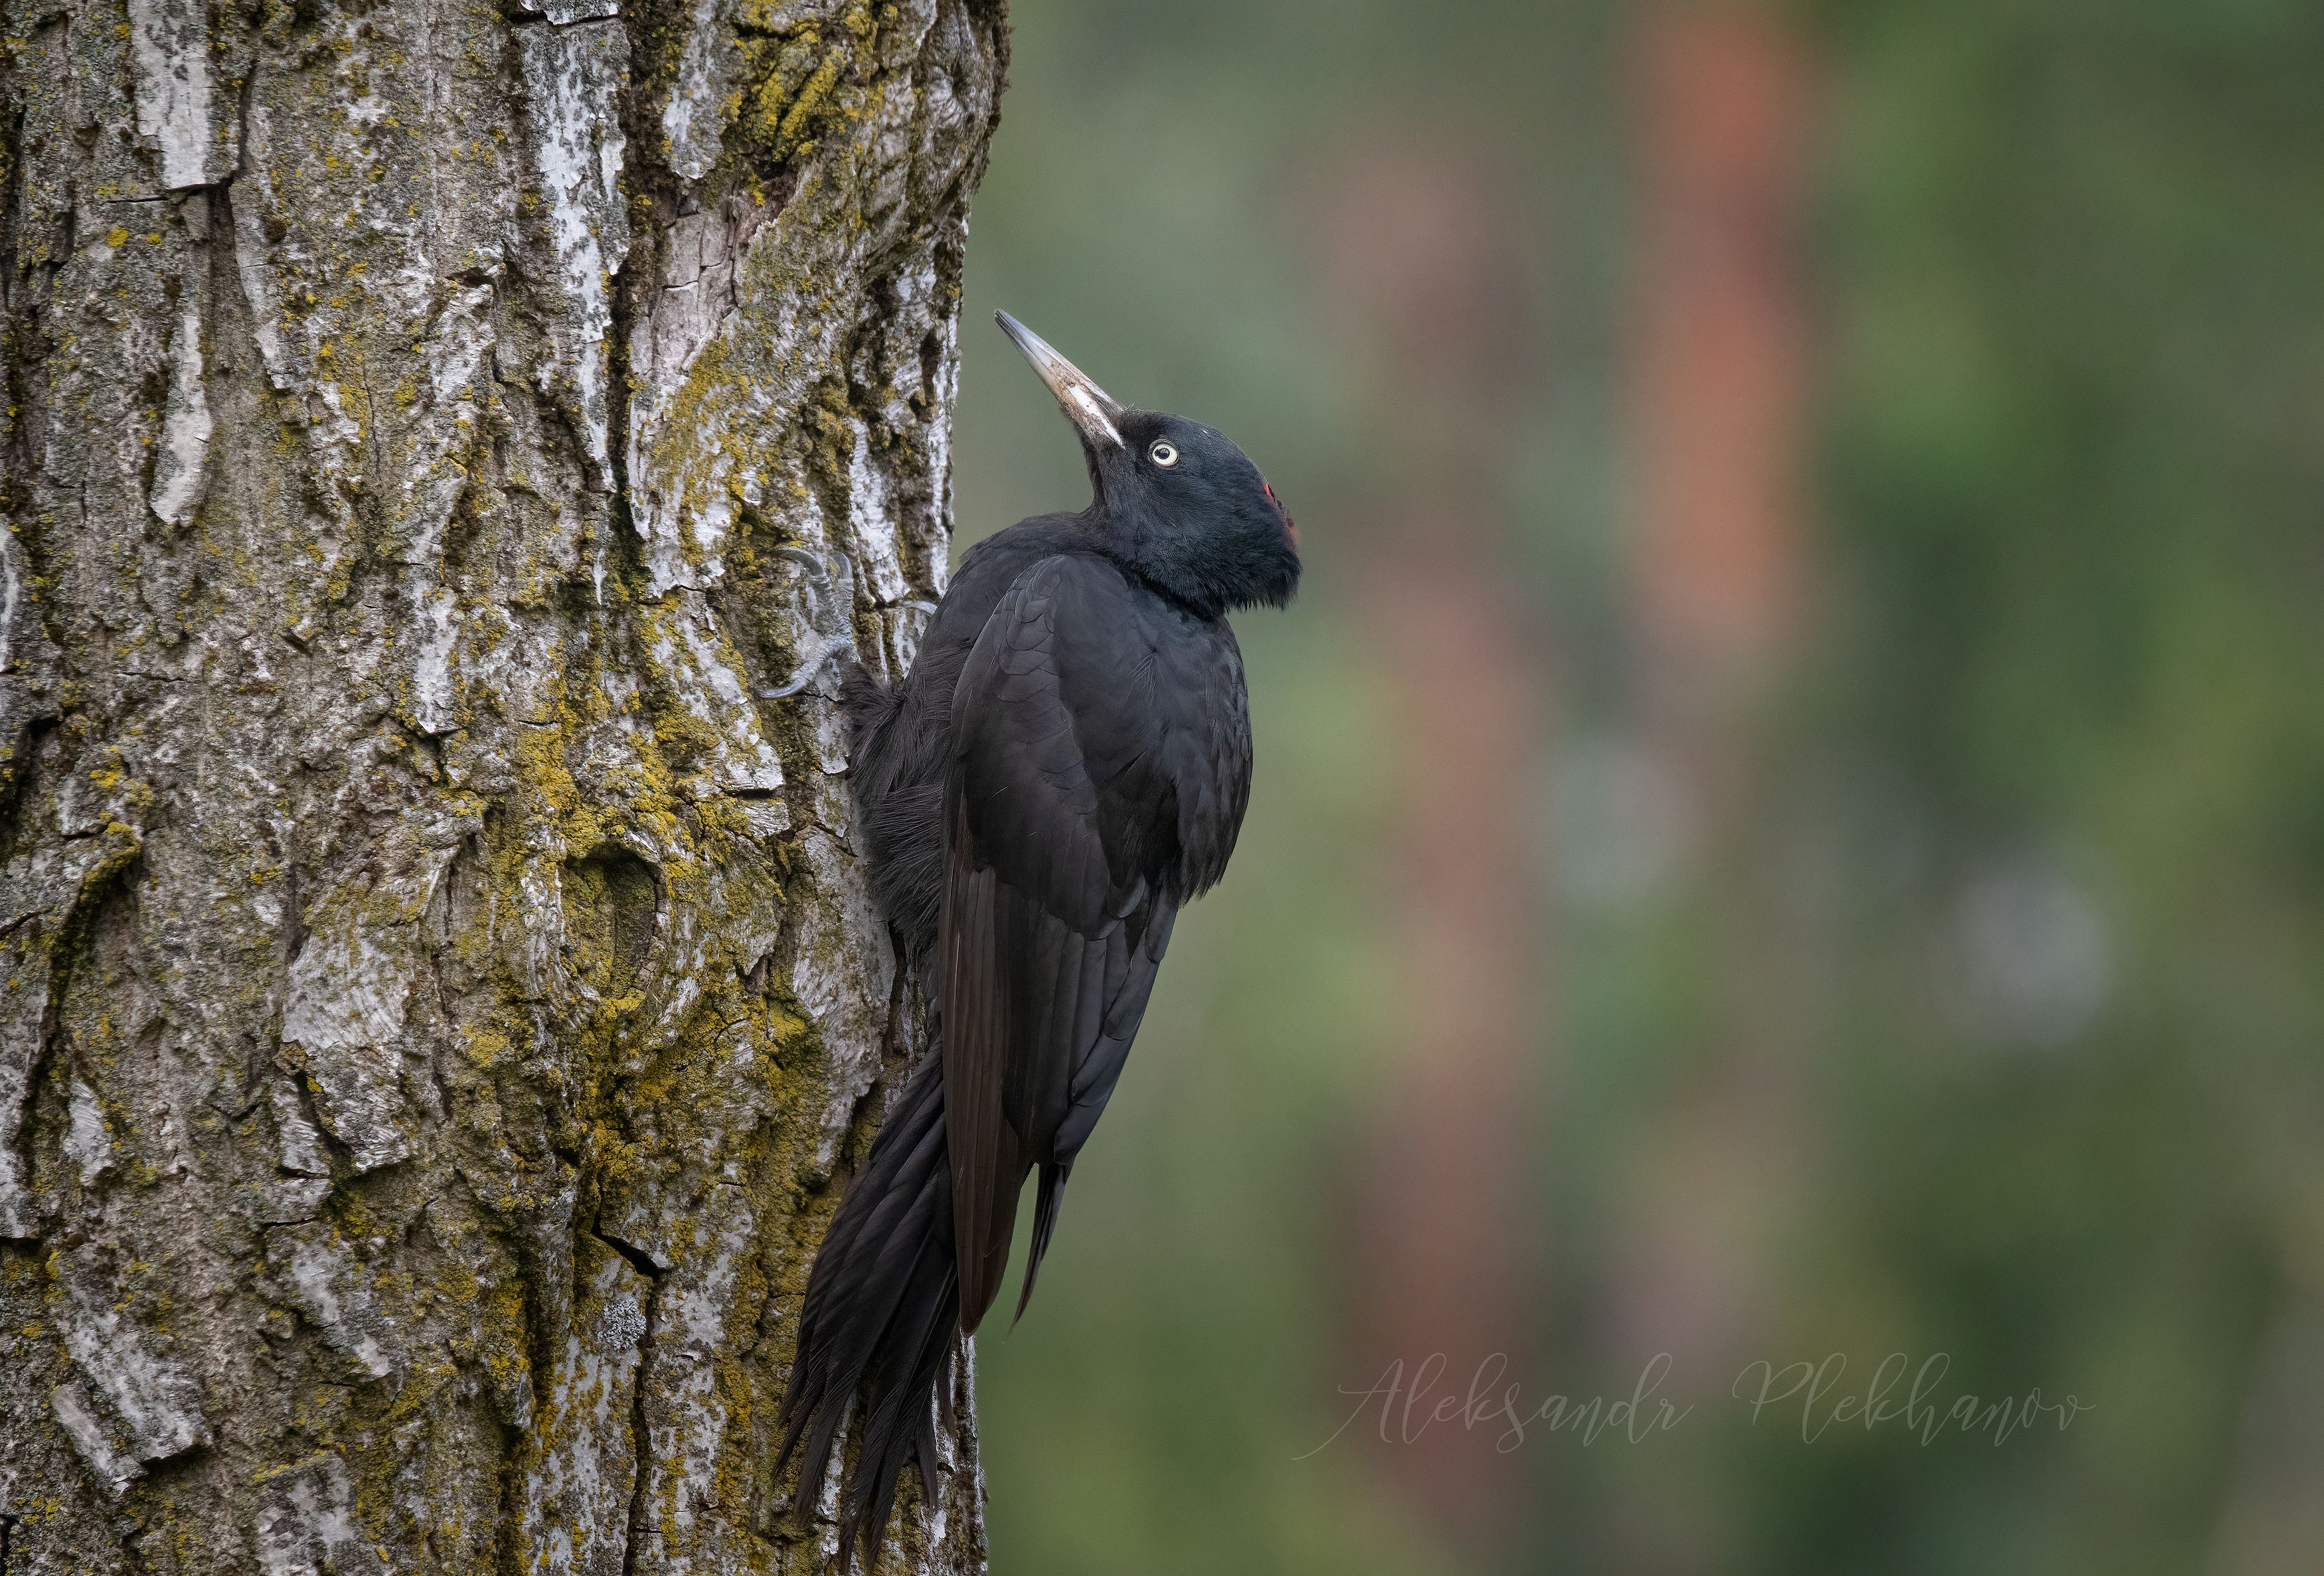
{"type": "Point", "coordinates": [830, 615]}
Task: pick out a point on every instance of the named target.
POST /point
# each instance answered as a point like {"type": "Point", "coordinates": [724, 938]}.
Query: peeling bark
{"type": "Point", "coordinates": [439, 989]}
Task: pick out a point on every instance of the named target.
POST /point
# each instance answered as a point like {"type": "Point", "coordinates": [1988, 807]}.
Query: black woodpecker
{"type": "Point", "coordinates": [1065, 767]}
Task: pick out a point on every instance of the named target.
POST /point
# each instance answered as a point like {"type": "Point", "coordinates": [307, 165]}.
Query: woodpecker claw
{"type": "Point", "coordinates": [830, 614]}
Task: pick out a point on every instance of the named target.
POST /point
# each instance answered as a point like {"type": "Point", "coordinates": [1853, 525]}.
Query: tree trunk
{"type": "Point", "coordinates": [440, 993]}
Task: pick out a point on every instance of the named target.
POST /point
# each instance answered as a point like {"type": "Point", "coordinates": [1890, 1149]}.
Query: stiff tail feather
{"type": "Point", "coordinates": [883, 1312]}
{"type": "Point", "coordinates": [1045, 1223]}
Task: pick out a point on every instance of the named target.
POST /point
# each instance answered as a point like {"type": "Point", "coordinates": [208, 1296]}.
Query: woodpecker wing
{"type": "Point", "coordinates": [1101, 762]}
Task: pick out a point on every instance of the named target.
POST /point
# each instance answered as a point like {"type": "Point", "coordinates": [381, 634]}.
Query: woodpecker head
{"type": "Point", "coordinates": [1175, 501]}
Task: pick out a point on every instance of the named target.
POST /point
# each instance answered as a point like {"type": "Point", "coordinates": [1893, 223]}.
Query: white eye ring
{"type": "Point", "coordinates": [1164, 452]}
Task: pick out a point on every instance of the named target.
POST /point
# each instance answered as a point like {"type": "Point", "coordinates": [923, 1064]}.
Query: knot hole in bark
{"type": "Point", "coordinates": [613, 908]}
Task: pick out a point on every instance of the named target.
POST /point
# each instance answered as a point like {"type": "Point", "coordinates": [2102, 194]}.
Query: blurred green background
{"type": "Point", "coordinates": [1790, 811]}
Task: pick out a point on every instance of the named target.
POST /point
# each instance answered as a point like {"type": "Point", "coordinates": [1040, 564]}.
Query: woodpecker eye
{"type": "Point", "coordinates": [1164, 454]}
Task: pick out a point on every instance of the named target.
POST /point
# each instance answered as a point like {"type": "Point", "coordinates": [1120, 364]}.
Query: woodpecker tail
{"type": "Point", "coordinates": [882, 1312]}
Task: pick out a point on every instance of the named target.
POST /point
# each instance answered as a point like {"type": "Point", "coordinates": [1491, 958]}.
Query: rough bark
{"type": "Point", "coordinates": [439, 996]}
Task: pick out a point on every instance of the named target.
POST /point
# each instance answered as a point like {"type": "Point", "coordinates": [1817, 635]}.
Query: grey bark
{"type": "Point", "coordinates": [438, 996]}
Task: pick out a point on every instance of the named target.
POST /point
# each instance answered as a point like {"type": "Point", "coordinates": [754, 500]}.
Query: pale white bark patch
{"type": "Point", "coordinates": [77, 1410]}
{"type": "Point", "coordinates": [690, 121]}
{"type": "Point", "coordinates": [843, 978]}
{"type": "Point", "coordinates": [349, 992]}
{"type": "Point", "coordinates": [299, 1146]}
{"type": "Point", "coordinates": [156, 1400]}
{"type": "Point", "coordinates": [939, 438]}
{"type": "Point", "coordinates": [11, 598]}
{"type": "Point", "coordinates": [574, 75]}
{"type": "Point", "coordinates": [346, 1011]}
{"type": "Point", "coordinates": [871, 516]}
{"type": "Point", "coordinates": [702, 668]}
{"type": "Point", "coordinates": [565, 13]}
{"type": "Point", "coordinates": [170, 44]}
{"type": "Point", "coordinates": [434, 699]}
{"type": "Point", "coordinates": [307, 1526]}
{"type": "Point", "coordinates": [88, 1145]}
{"type": "Point", "coordinates": [37, 894]}
{"type": "Point", "coordinates": [182, 469]}
{"type": "Point", "coordinates": [331, 1287]}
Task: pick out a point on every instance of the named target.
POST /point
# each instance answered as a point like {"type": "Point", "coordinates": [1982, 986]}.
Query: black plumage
{"type": "Point", "coordinates": [1065, 767]}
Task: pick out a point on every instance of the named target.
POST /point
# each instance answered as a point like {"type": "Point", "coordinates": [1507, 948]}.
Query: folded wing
{"type": "Point", "coordinates": [1101, 763]}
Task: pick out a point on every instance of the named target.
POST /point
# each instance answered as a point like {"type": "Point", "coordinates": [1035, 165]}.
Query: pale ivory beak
{"type": "Point", "coordinates": [1085, 405]}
